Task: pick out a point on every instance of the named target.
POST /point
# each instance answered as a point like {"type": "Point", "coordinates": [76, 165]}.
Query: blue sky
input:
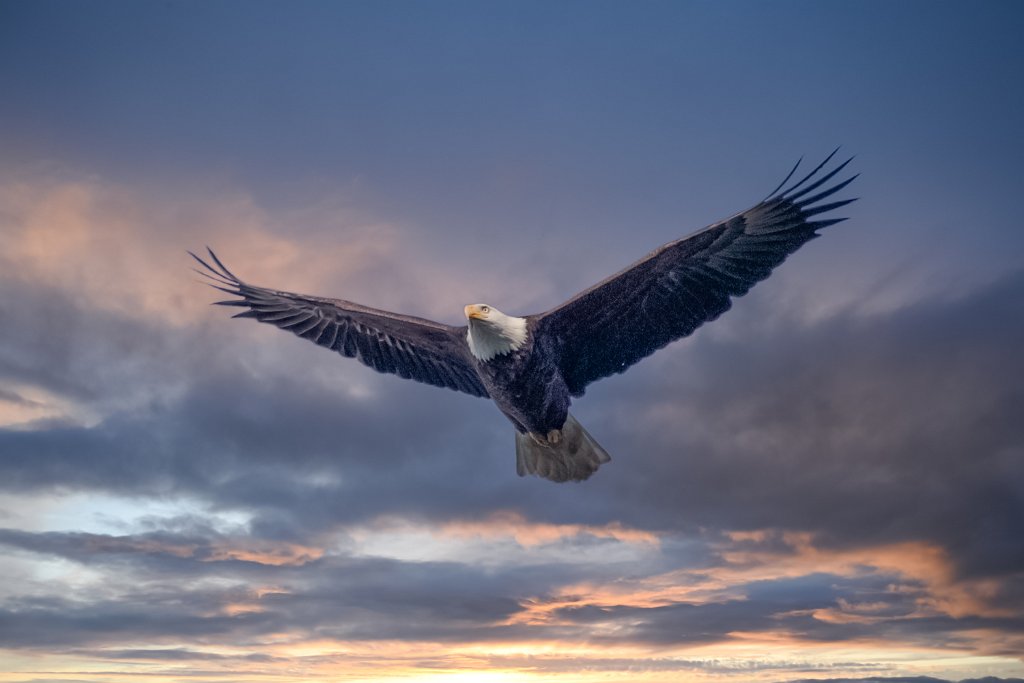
{"type": "Point", "coordinates": [826, 482]}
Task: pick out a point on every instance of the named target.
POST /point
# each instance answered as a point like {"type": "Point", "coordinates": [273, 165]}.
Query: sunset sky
{"type": "Point", "coordinates": [826, 483]}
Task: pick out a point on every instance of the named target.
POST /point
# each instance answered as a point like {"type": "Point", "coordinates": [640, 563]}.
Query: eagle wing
{"type": "Point", "coordinates": [675, 289]}
{"type": "Point", "coordinates": [410, 347]}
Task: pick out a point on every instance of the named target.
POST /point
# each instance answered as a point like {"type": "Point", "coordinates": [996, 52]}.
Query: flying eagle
{"type": "Point", "coordinates": [533, 366]}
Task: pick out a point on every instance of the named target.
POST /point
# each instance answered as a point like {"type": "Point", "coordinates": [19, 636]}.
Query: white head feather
{"type": "Point", "coordinates": [492, 333]}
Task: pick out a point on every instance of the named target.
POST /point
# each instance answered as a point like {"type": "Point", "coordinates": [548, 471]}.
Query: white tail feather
{"type": "Point", "coordinates": [574, 458]}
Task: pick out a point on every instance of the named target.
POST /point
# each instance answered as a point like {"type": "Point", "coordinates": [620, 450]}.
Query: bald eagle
{"type": "Point", "coordinates": [533, 366]}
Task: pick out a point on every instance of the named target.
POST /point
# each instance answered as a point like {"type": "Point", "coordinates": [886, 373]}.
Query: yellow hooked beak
{"type": "Point", "coordinates": [477, 311]}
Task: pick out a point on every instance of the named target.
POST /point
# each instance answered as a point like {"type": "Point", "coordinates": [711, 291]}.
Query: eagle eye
{"type": "Point", "coordinates": [485, 309]}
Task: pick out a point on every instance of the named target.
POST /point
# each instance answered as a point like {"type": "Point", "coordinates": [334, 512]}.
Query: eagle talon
{"type": "Point", "coordinates": [540, 439]}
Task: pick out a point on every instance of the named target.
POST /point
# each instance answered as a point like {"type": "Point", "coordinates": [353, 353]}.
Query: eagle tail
{"type": "Point", "coordinates": [574, 457]}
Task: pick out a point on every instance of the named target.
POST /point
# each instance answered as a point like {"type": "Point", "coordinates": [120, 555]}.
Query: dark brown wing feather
{"type": "Point", "coordinates": [402, 345]}
{"type": "Point", "coordinates": [684, 284]}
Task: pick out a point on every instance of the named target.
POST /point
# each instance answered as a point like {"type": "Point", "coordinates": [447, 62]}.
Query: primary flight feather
{"type": "Point", "coordinates": [532, 366]}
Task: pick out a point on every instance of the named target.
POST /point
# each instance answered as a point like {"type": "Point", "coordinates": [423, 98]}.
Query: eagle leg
{"type": "Point", "coordinates": [566, 454]}
{"type": "Point", "coordinates": [548, 440]}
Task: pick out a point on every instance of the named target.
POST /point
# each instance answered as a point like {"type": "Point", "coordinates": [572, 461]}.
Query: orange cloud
{"type": "Point", "coordinates": [916, 562]}
{"type": "Point", "coordinates": [251, 602]}
{"type": "Point", "coordinates": [122, 250]}
{"type": "Point", "coordinates": [269, 553]}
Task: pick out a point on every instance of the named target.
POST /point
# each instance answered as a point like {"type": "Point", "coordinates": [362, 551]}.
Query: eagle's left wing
{"type": "Point", "coordinates": [675, 289]}
{"type": "Point", "coordinates": [403, 345]}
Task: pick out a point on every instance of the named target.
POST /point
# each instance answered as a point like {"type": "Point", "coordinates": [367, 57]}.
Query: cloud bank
{"type": "Point", "coordinates": [200, 497]}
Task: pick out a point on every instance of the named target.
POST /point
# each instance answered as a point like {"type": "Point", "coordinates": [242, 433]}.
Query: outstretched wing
{"type": "Point", "coordinates": [402, 345]}
{"type": "Point", "coordinates": [677, 288]}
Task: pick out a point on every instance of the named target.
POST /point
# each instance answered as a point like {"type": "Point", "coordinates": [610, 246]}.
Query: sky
{"type": "Point", "coordinates": [825, 483]}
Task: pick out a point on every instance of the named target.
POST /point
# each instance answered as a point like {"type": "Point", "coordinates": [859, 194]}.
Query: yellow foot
{"type": "Point", "coordinates": [539, 439]}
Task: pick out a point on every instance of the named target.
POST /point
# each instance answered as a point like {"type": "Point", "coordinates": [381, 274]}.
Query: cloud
{"type": "Point", "coordinates": [119, 249]}
{"type": "Point", "coordinates": [85, 547]}
{"type": "Point", "coordinates": [780, 482]}
{"type": "Point", "coordinates": [860, 428]}
{"type": "Point", "coordinates": [532, 534]}
{"type": "Point", "coordinates": [907, 679]}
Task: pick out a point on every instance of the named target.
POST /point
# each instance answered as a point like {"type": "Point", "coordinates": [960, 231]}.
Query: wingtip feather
{"type": "Point", "coordinates": [811, 174]}
{"type": "Point", "coordinates": [827, 207]}
{"type": "Point", "coordinates": [221, 265]}
{"type": "Point", "coordinates": [824, 193]}
{"type": "Point", "coordinates": [786, 179]}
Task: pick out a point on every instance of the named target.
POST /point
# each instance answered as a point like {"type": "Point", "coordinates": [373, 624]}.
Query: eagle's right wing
{"type": "Point", "coordinates": [410, 347]}
{"type": "Point", "coordinates": [684, 284]}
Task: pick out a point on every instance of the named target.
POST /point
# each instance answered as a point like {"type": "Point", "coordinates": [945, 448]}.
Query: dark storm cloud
{"type": "Point", "coordinates": [354, 599]}
{"type": "Point", "coordinates": [861, 428]}
{"type": "Point", "coordinates": [167, 554]}
{"type": "Point", "coordinates": [64, 343]}
{"type": "Point", "coordinates": [914, 410]}
{"type": "Point", "coordinates": [234, 435]}
{"type": "Point", "coordinates": [260, 443]}
{"type": "Point", "coordinates": [58, 622]}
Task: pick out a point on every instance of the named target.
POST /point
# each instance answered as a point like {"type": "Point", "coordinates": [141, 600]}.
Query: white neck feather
{"type": "Point", "coordinates": [496, 336]}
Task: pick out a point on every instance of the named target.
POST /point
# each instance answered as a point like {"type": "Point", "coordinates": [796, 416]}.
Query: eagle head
{"type": "Point", "coordinates": [492, 333]}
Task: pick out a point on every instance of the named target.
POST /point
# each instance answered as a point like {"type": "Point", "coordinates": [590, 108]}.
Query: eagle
{"type": "Point", "coordinates": [533, 366]}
